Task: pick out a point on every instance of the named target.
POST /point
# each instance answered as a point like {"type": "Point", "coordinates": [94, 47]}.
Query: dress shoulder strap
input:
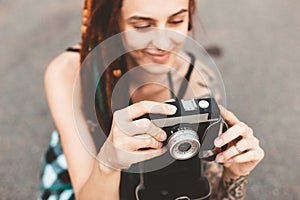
{"type": "Point", "coordinates": [73, 49]}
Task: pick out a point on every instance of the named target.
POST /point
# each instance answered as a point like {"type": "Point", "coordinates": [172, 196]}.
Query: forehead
{"type": "Point", "coordinates": [154, 8]}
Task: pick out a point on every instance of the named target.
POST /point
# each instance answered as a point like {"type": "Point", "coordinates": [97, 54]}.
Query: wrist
{"type": "Point", "coordinates": [232, 186]}
{"type": "Point", "coordinates": [106, 170]}
{"type": "Point", "coordinates": [228, 174]}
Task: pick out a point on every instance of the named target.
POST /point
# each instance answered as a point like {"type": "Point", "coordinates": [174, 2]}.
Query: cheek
{"type": "Point", "coordinates": [138, 40]}
{"type": "Point", "coordinates": [178, 38]}
{"type": "Point", "coordinates": [134, 40]}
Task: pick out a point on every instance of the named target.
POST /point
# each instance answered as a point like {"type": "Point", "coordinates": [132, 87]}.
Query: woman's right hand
{"type": "Point", "coordinates": [128, 137]}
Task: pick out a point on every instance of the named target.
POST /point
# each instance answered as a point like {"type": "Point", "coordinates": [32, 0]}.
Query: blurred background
{"type": "Point", "coordinates": [260, 43]}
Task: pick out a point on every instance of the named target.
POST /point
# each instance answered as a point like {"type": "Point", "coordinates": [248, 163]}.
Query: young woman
{"type": "Point", "coordinates": [70, 171]}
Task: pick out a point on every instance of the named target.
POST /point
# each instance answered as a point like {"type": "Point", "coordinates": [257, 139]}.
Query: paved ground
{"type": "Point", "coordinates": [260, 67]}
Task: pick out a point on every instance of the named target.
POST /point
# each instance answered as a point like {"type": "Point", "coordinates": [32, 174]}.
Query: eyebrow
{"type": "Point", "coordinates": [150, 19]}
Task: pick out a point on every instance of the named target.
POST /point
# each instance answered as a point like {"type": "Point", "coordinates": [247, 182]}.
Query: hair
{"type": "Point", "coordinates": [101, 23]}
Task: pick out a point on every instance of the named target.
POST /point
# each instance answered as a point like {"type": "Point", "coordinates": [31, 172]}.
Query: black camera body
{"type": "Point", "coordinates": [192, 129]}
{"type": "Point", "coordinates": [191, 132]}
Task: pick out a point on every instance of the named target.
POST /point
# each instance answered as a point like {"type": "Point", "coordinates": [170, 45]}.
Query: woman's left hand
{"type": "Point", "coordinates": [243, 152]}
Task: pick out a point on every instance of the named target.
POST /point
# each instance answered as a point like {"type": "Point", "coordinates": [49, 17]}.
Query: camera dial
{"type": "Point", "coordinates": [183, 143]}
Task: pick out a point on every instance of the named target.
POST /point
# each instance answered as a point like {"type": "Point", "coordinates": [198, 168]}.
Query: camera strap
{"type": "Point", "coordinates": [185, 81]}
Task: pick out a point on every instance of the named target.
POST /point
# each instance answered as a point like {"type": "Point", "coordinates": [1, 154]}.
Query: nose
{"type": "Point", "coordinates": [161, 39]}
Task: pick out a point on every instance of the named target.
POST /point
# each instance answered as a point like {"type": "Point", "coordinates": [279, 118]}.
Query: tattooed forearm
{"type": "Point", "coordinates": [213, 172]}
{"type": "Point", "coordinates": [223, 186]}
{"type": "Point", "coordinates": [232, 188]}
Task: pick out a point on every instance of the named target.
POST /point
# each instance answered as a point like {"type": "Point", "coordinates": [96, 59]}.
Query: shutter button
{"type": "Point", "coordinates": [203, 104]}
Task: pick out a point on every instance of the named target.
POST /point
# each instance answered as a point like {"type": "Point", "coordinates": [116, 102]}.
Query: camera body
{"type": "Point", "coordinates": [191, 132]}
{"type": "Point", "coordinates": [192, 129]}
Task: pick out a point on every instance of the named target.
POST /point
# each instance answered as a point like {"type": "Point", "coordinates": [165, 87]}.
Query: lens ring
{"type": "Point", "coordinates": [184, 137]}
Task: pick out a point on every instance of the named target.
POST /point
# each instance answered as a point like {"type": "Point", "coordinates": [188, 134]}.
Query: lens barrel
{"type": "Point", "coordinates": [184, 144]}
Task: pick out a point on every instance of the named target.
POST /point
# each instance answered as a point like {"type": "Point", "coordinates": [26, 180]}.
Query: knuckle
{"type": "Point", "coordinates": [247, 143]}
{"type": "Point", "coordinates": [243, 126]}
{"type": "Point", "coordinates": [256, 141]}
{"type": "Point", "coordinates": [250, 131]}
{"type": "Point", "coordinates": [148, 143]}
{"type": "Point", "coordinates": [116, 114]}
{"type": "Point", "coordinates": [143, 105]}
{"type": "Point", "coordinates": [226, 155]}
{"type": "Point", "coordinates": [229, 153]}
{"type": "Point", "coordinates": [152, 143]}
{"type": "Point", "coordinates": [262, 152]}
{"type": "Point", "coordinates": [229, 113]}
{"type": "Point", "coordinates": [254, 155]}
{"type": "Point", "coordinates": [119, 115]}
{"type": "Point", "coordinates": [146, 123]}
{"type": "Point", "coordinates": [156, 144]}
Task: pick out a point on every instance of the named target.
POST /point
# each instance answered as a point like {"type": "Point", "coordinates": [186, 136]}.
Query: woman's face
{"type": "Point", "coordinates": [156, 30]}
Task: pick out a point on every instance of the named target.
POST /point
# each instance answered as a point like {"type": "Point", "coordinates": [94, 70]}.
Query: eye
{"type": "Point", "coordinates": [174, 22]}
{"type": "Point", "coordinates": [142, 25]}
{"type": "Point", "coordinates": [138, 27]}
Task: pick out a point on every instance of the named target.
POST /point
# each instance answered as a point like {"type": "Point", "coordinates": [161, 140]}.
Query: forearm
{"type": "Point", "coordinates": [232, 187]}
{"type": "Point", "coordinates": [102, 184]}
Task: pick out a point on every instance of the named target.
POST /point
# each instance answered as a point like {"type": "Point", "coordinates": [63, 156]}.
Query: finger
{"type": "Point", "coordinates": [142, 127]}
{"type": "Point", "coordinates": [144, 107]}
{"type": "Point", "coordinates": [249, 156]}
{"type": "Point", "coordinates": [145, 143]}
{"type": "Point", "coordinates": [240, 147]}
{"type": "Point", "coordinates": [170, 100]}
{"type": "Point", "coordinates": [149, 154]}
{"type": "Point", "coordinates": [246, 144]}
{"type": "Point", "coordinates": [240, 129]}
{"type": "Point", "coordinates": [228, 116]}
{"type": "Point", "coordinates": [145, 126]}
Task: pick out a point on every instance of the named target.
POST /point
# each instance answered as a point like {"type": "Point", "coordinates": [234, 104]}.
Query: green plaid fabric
{"type": "Point", "coordinates": [55, 181]}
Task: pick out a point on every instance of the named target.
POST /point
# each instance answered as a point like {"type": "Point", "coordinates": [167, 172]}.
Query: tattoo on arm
{"type": "Point", "coordinates": [213, 172]}
{"type": "Point", "coordinates": [222, 187]}
{"type": "Point", "coordinates": [233, 188]}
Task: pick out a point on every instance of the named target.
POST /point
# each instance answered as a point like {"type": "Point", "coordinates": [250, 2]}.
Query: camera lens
{"type": "Point", "coordinates": [184, 147]}
{"type": "Point", "coordinates": [183, 143]}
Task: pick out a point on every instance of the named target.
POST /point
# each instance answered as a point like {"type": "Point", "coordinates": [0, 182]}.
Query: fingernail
{"type": "Point", "coordinates": [230, 160]}
{"type": "Point", "coordinates": [172, 109]}
{"type": "Point", "coordinates": [163, 136]}
{"type": "Point", "coordinates": [160, 145]}
{"type": "Point", "coordinates": [220, 158]}
{"type": "Point", "coordinates": [218, 142]}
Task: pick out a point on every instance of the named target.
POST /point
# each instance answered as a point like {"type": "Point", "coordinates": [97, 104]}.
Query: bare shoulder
{"type": "Point", "coordinates": [59, 80]}
{"type": "Point", "coordinates": [63, 68]}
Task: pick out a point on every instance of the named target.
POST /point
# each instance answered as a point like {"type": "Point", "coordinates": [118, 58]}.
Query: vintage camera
{"type": "Point", "coordinates": [192, 129]}
{"type": "Point", "coordinates": [191, 133]}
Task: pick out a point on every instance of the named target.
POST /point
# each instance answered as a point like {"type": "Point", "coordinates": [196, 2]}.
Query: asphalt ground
{"type": "Point", "coordinates": [260, 43]}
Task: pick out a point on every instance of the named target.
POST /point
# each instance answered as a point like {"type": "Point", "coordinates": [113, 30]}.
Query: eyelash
{"type": "Point", "coordinates": [148, 26]}
{"type": "Point", "coordinates": [142, 27]}
{"type": "Point", "coordinates": [176, 22]}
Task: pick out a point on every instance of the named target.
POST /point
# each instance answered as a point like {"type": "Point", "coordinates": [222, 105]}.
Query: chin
{"type": "Point", "coordinates": [155, 68]}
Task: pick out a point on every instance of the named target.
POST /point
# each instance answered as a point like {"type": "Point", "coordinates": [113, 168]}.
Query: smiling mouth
{"type": "Point", "coordinates": [160, 58]}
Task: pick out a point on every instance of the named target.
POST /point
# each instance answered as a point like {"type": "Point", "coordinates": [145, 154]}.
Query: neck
{"type": "Point", "coordinates": [145, 85]}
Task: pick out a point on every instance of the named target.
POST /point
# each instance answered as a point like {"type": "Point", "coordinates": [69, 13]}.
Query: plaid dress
{"type": "Point", "coordinates": [55, 181]}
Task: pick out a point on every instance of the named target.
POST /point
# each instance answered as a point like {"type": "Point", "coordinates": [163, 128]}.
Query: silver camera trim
{"type": "Point", "coordinates": [180, 137]}
{"type": "Point", "coordinates": [191, 119]}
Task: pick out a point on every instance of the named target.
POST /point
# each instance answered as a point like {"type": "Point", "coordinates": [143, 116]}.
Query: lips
{"type": "Point", "coordinates": [160, 58]}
